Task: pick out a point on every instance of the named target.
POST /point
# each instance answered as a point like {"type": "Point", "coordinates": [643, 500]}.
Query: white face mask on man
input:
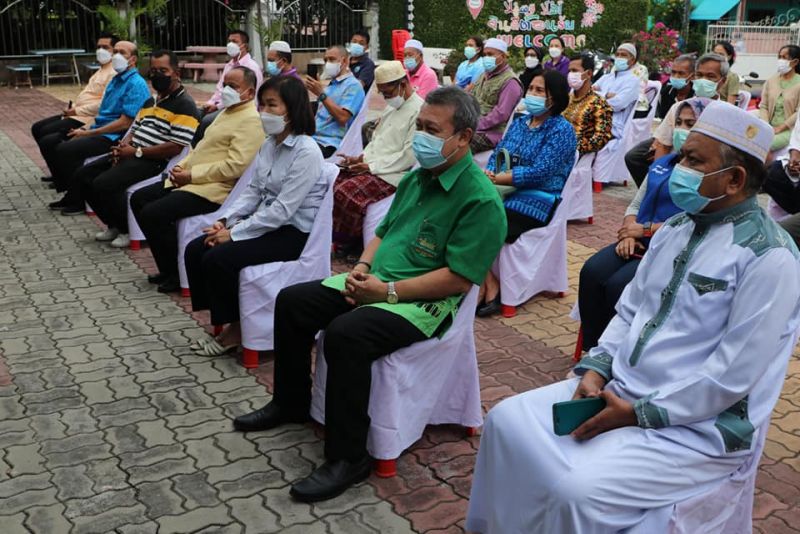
{"type": "Point", "coordinates": [332, 69]}
{"type": "Point", "coordinates": [233, 49]}
{"type": "Point", "coordinates": [119, 62]}
{"type": "Point", "coordinates": [230, 96]}
{"type": "Point", "coordinates": [103, 56]}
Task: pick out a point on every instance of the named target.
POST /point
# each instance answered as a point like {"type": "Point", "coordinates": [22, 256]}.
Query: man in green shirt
{"type": "Point", "coordinates": [441, 235]}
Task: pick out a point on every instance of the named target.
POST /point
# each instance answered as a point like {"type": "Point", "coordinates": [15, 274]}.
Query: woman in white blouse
{"type": "Point", "coordinates": [272, 218]}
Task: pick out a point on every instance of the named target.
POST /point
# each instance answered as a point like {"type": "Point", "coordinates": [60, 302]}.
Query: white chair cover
{"type": "Point", "coordinates": [190, 227]}
{"type": "Point", "coordinates": [580, 184]}
{"type": "Point", "coordinates": [537, 260]}
{"type": "Point", "coordinates": [134, 232]}
{"type": "Point", "coordinates": [351, 144]}
{"type": "Point", "coordinates": [775, 211]}
{"type": "Point", "coordinates": [429, 383]}
{"type": "Point", "coordinates": [609, 165]}
{"type": "Point", "coordinates": [744, 99]}
{"type": "Point", "coordinates": [259, 285]}
{"type": "Point", "coordinates": [642, 128]}
{"type": "Point", "coordinates": [375, 214]}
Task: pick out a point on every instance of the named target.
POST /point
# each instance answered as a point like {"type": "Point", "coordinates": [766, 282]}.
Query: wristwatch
{"type": "Point", "coordinates": [138, 152]}
{"type": "Point", "coordinates": [648, 229]}
{"type": "Point", "coordinates": [391, 294]}
{"type": "Point", "coordinates": [322, 97]}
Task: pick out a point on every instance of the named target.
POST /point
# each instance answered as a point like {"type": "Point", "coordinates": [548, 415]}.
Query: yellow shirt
{"type": "Point", "coordinates": [228, 147]}
{"type": "Point", "coordinates": [88, 102]}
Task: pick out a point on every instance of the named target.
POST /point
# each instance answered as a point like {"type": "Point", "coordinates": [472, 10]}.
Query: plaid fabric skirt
{"type": "Point", "coordinates": [352, 194]}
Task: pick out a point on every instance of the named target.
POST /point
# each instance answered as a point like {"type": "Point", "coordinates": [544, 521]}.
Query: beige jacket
{"type": "Point", "coordinates": [769, 96]}
{"type": "Point", "coordinates": [88, 103]}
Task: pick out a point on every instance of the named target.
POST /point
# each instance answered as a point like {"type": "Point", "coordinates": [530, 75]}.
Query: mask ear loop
{"type": "Point", "coordinates": [710, 200]}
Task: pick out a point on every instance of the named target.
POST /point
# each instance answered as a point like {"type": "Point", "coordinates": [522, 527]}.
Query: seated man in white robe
{"type": "Point", "coordinates": [690, 367]}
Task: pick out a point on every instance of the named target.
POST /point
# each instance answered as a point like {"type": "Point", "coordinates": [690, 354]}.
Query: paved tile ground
{"type": "Point", "coordinates": [111, 424]}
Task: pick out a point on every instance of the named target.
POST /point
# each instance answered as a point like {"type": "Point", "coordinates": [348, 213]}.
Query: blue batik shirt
{"type": "Point", "coordinates": [347, 92]}
{"type": "Point", "coordinates": [125, 94]}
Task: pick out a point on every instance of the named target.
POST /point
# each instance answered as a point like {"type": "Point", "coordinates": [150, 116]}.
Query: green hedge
{"type": "Point", "coordinates": [448, 23]}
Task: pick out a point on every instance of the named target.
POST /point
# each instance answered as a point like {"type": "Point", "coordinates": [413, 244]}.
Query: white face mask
{"type": "Point", "coordinates": [332, 70]}
{"type": "Point", "coordinates": [554, 52]}
{"type": "Point", "coordinates": [395, 101]}
{"type": "Point", "coordinates": [272, 124]}
{"type": "Point", "coordinates": [233, 49]}
{"type": "Point", "coordinates": [784, 66]}
{"type": "Point", "coordinates": [119, 62]}
{"type": "Point", "coordinates": [103, 56]}
{"type": "Point", "coordinates": [531, 62]}
{"type": "Point", "coordinates": [230, 97]}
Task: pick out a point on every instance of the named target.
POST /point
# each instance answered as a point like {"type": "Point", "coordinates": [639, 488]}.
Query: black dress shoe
{"type": "Point", "coordinates": [331, 479]}
{"type": "Point", "coordinates": [58, 205]}
{"type": "Point", "coordinates": [47, 178]}
{"type": "Point", "coordinates": [157, 278]}
{"type": "Point", "coordinates": [265, 418]}
{"type": "Point", "coordinates": [170, 284]}
{"type": "Point", "coordinates": [52, 186]}
{"type": "Point", "coordinates": [73, 210]}
{"type": "Point", "coordinates": [489, 308]}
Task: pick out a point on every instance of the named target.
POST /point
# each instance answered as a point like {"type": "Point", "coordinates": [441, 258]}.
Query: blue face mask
{"type": "Point", "coordinates": [678, 83]}
{"type": "Point", "coordinates": [428, 150]}
{"type": "Point", "coordinates": [470, 52]}
{"type": "Point", "coordinates": [489, 63]}
{"type": "Point", "coordinates": [684, 188]}
{"type": "Point", "coordinates": [410, 63]}
{"type": "Point", "coordinates": [272, 68]}
{"type": "Point", "coordinates": [704, 88]}
{"type": "Point", "coordinates": [356, 49]}
{"type": "Point", "coordinates": [679, 136]}
{"type": "Point", "coordinates": [621, 64]}
{"type": "Point", "coordinates": [536, 105]}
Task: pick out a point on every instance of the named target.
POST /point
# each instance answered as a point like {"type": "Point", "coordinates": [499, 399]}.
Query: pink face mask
{"type": "Point", "coordinates": [575, 80]}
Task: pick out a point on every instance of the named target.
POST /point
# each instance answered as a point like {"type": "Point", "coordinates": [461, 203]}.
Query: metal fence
{"type": "Point", "coordinates": [27, 25]}
{"type": "Point", "coordinates": [317, 24]}
{"type": "Point", "coordinates": [753, 39]}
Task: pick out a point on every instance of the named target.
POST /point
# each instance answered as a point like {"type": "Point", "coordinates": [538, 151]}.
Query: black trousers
{"type": "Point", "coordinates": [104, 186]}
{"type": "Point", "coordinates": [327, 151]}
{"type": "Point", "coordinates": [158, 210]}
{"type": "Point", "coordinates": [638, 160]}
{"type": "Point", "coordinates": [50, 132]}
{"type": "Point", "coordinates": [354, 338]}
{"type": "Point", "coordinates": [602, 280]}
{"type": "Point", "coordinates": [518, 224]}
{"type": "Point", "coordinates": [205, 122]}
{"type": "Point", "coordinates": [213, 272]}
{"type": "Point", "coordinates": [69, 157]}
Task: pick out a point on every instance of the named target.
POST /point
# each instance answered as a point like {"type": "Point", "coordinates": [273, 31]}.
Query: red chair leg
{"type": "Point", "coordinates": [561, 295]}
{"type": "Point", "coordinates": [217, 329]}
{"type": "Point", "coordinates": [471, 431]}
{"type": "Point", "coordinates": [578, 346]}
{"type": "Point", "coordinates": [590, 220]}
{"type": "Point", "coordinates": [597, 187]}
{"type": "Point", "coordinates": [249, 358]}
{"type": "Point", "coordinates": [508, 311]}
{"type": "Point", "coordinates": [185, 293]}
{"type": "Point", "coordinates": [625, 183]}
{"type": "Point", "coordinates": [135, 244]}
{"type": "Point", "coordinates": [386, 468]}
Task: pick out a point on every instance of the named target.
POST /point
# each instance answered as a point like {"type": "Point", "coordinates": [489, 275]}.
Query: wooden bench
{"type": "Point", "coordinates": [19, 70]}
{"type": "Point", "coordinates": [198, 68]}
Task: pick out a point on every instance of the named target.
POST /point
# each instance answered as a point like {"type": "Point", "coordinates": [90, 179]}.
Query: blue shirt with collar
{"type": "Point", "coordinates": [125, 94]}
{"type": "Point", "coordinates": [346, 92]}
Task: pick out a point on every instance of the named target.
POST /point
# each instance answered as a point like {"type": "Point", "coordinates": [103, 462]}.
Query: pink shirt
{"type": "Point", "coordinates": [424, 80]}
{"type": "Point", "coordinates": [245, 61]}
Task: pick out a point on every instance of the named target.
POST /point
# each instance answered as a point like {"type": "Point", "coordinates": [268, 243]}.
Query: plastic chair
{"type": "Point", "coordinates": [580, 184]}
{"type": "Point", "coordinates": [537, 260]}
{"type": "Point", "coordinates": [609, 165]}
{"type": "Point", "coordinates": [375, 214]}
{"type": "Point", "coordinates": [259, 285]}
{"type": "Point", "coordinates": [428, 383]}
{"type": "Point", "coordinates": [744, 99]}
{"type": "Point", "coordinates": [190, 227]}
{"type": "Point", "coordinates": [641, 128]}
{"type": "Point", "coordinates": [134, 232]}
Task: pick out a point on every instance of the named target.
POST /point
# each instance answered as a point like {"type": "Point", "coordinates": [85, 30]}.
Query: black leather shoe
{"type": "Point", "coordinates": [47, 178]}
{"type": "Point", "coordinates": [331, 479]}
{"type": "Point", "coordinates": [265, 418]}
{"type": "Point", "coordinates": [157, 278]}
{"type": "Point", "coordinates": [73, 210]}
{"type": "Point", "coordinates": [58, 205]}
{"type": "Point", "coordinates": [170, 284]}
{"type": "Point", "coordinates": [490, 308]}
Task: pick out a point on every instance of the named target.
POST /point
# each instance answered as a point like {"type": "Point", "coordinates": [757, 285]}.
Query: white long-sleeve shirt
{"type": "Point", "coordinates": [705, 330]}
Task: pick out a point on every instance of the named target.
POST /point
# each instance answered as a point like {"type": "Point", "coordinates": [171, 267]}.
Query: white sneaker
{"type": "Point", "coordinates": [106, 235]}
{"type": "Point", "coordinates": [121, 241]}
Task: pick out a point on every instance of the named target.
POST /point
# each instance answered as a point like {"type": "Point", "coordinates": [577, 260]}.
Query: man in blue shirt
{"type": "Point", "coordinates": [339, 103]}
{"type": "Point", "coordinates": [123, 98]}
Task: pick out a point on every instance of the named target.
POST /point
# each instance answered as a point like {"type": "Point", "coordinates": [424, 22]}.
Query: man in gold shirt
{"type": "Point", "coordinates": [588, 112]}
{"type": "Point", "coordinates": [201, 182]}
{"type": "Point", "coordinates": [52, 131]}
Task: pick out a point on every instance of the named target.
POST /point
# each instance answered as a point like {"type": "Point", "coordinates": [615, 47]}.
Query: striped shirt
{"type": "Point", "coordinates": [171, 120]}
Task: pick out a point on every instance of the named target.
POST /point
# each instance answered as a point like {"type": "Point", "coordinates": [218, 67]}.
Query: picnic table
{"type": "Point", "coordinates": [59, 52]}
{"type": "Point", "coordinates": [210, 66]}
